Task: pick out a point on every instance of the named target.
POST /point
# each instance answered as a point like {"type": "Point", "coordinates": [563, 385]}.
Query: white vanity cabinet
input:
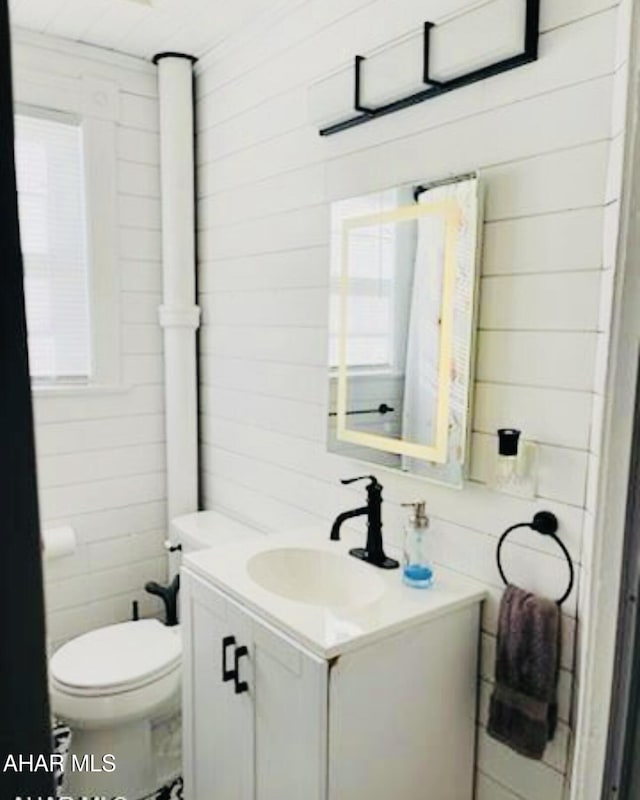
{"type": "Point", "coordinates": [261, 733]}
{"type": "Point", "coordinates": [393, 718]}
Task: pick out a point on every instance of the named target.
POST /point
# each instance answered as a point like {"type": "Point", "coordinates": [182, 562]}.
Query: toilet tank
{"type": "Point", "coordinates": [205, 529]}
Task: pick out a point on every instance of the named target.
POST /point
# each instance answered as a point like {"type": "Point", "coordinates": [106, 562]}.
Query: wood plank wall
{"type": "Point", "coordinates": [101, 454]}
{"type": "Point", "coordinates": [547, 139]}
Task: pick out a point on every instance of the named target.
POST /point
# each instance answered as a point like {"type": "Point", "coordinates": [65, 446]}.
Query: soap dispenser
{"type": "Point", "coordinates": [416, 568]}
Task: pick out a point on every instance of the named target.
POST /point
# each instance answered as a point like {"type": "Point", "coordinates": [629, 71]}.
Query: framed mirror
{"type": "Point", "coordinates": [404, 268]}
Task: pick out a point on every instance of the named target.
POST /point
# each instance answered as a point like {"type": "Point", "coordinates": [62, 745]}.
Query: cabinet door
{"type": "Point", "coordinates": [402, 714]}
{"type": "Point", "coordinates": [290, 688]}
{"type": "Point", "coordinates": [217, 722]}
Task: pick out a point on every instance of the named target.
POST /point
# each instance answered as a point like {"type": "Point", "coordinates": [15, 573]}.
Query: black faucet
{"type": "Point", "coordinates": [373, 553]}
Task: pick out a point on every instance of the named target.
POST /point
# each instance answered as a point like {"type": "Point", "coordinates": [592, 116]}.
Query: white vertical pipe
{"type": "Point", "coordinates": [179, 314]}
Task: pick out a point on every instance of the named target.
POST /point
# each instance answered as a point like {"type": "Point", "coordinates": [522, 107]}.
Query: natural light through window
{"type": "Point", "coordinates": [51, 204]}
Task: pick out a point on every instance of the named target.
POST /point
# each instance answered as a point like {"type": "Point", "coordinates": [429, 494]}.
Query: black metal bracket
{"type": "Point", "coordinates": [357, 66]}
{"type": "Point", "coordinates": [426, 78]}
{"type": "Point", "coordinates": [437, 88]}
{"type": "Point", "coordinates": [546, 524]}
{"type": "Point", "coordinates": [426, 65]}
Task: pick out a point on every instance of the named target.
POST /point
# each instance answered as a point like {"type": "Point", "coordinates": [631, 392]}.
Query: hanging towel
{"type": "Point", "coordinates": [523, 712]}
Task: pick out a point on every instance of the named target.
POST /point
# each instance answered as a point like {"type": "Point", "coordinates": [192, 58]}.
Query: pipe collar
{"type": "Point", "coordinates": [179, 317]}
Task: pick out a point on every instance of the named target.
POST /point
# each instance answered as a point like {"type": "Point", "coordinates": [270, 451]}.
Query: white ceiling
{"type": "Point", "coordinates": [145, 27]}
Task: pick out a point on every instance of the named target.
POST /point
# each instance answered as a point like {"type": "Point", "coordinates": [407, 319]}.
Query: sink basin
{"type": "Point", "coordinates": [315, 577]}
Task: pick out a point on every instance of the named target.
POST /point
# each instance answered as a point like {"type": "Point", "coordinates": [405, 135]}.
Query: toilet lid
{"type": "Point", "coordinates": [117, 657]}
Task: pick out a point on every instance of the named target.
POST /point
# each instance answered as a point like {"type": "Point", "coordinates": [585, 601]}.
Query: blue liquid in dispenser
{"type": "Point", "coordinates": [418, 575]}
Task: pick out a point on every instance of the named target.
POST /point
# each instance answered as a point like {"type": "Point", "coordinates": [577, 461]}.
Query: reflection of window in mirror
{"type": "Point", "coordinates": [377, 292]}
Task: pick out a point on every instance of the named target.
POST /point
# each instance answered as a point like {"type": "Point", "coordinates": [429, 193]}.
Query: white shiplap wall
{"type": "Point", "coordinates": [101, 459]}
{"type": "Point", "coordinates": [543, 138]}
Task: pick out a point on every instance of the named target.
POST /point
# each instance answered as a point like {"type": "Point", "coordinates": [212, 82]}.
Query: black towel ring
{"type": "Point", "coordinates": [546, 523]}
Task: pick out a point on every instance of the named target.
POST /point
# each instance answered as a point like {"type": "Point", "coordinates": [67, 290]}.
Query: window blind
{"type": "Point", "coordinates": [369, 330]}
{"type": "Point", "coordinates": [51, 205]}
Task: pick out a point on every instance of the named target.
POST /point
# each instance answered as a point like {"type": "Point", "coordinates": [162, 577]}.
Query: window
{"type": "Point", "coordinates": [51, 204]}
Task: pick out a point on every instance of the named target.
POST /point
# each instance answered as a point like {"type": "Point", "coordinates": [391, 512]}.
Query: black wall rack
{"type": "Point", "coordinates": [436, 88]}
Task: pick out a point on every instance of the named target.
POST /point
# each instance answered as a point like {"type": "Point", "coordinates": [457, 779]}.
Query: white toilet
{"type": "Point", "coordinates": [110, 685]}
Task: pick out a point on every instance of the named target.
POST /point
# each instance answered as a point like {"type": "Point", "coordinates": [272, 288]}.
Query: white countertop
{"type": "Point", "coordinates": [332, 631]}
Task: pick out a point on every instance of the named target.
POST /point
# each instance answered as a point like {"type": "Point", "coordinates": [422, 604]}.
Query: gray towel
{"type": "Point", "coordinates": [524, 711]}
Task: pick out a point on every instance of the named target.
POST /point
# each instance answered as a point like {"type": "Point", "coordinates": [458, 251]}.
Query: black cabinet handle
{"type": "Point", "coordinates": [241, 686]}
{"type": "Point", "coordinates": [228, 674]}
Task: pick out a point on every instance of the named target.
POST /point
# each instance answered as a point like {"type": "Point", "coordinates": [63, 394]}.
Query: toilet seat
{"type": "Point", "coordinates": [116, 659]}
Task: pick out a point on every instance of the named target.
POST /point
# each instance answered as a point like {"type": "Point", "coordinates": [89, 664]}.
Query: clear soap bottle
{"type": "Point", "coordinates": [416, 566]}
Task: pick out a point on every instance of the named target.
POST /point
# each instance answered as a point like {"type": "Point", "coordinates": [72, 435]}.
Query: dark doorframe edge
{"type": "Point", "coordinates": [626, 683]}
{"type": "Point", "coordinates": [24, 701]}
